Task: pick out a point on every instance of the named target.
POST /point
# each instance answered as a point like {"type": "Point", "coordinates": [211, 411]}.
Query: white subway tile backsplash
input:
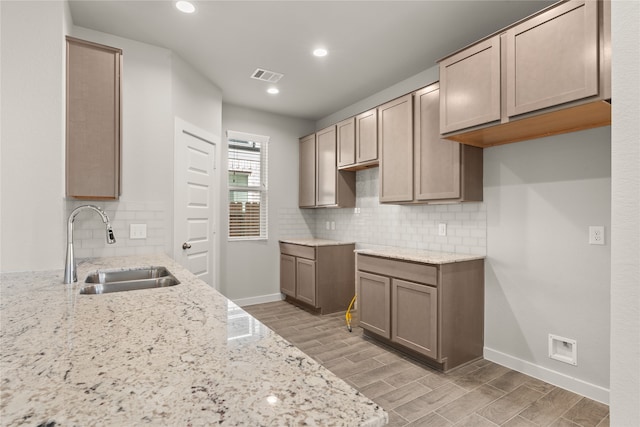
{"type": "Point", "coordinates": [410, 226]}
{"type": "Point", "coordinates": [89, 231]}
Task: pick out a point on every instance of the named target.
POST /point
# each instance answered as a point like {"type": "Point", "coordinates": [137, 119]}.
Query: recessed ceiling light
{"type": "Point", "coordinates": [185, 6]}
{"type": "Point", "coordinates": [320, 52]}
{"type": "Point", "coordinates": [273, 90]}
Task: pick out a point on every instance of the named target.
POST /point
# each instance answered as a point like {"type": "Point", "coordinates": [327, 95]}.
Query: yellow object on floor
{"type": "Point", "coordinates": [347, 315]}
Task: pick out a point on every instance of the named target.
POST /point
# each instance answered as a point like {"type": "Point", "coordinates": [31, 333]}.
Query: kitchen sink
{"type": "Point", "coordinates": [108, 276]}
{"type": "Point", "coordinates": [106, 281]}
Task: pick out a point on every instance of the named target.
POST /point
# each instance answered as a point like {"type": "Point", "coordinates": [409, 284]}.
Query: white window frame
{"type": "Point", "coordinates": [262, 188]}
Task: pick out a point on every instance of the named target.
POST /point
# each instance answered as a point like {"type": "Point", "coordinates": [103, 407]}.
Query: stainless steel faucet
{"type": "Point", "coordinates": [70, 275]}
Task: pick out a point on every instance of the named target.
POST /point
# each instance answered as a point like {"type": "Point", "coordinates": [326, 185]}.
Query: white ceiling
{"type": "Point", "coordinates": [372, 44]}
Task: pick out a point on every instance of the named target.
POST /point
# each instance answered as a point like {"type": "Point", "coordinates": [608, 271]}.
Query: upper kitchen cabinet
{"type": "Point", "coordinates": [321, 184]}
{"type": "Point", "coordinates": [416, 164]}
{"type": "Point", "coordinates": [395, 134]}
{"type": "Point", "coordinates": [93, 131]}
{"type": "Point", "coordinates": [346, 134]}
{"type": "Point", "coordinates": [445, 171]}
{"type": "Point", "coordinates": [326, 167]}
{"type": "Point", "coordinates": [545, 75]}
{"type": "Point", "coordinates": [552, 58]}
{"type": "Point", "coordinates": [358, 141]}
{"type": "Point", "coordinates": [470, 83]}
{"type": "Point", "coordinates": [307, 169]}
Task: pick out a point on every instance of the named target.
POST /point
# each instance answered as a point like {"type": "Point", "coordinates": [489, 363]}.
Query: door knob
{"type": "Point", "coordinates": [186, 246]}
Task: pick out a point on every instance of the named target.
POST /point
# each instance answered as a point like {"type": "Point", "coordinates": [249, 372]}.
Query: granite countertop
{"type": "Point", "coordinates": [181, 355]}
{"type": "Point", "coordinates": [415, 255]}
{"type": "Point", "coordinates": [315, 242]}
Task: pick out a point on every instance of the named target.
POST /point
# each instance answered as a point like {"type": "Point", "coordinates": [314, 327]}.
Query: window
{"type": "Point", "coordinates": [247, 186]}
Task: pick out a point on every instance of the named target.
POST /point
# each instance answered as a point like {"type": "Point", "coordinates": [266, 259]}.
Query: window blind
{"type": "Point", "coordinates": [248, 201]}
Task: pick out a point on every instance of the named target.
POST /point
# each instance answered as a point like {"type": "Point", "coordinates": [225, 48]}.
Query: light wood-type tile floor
{"type": "Point", "coordinates": [480, 394]}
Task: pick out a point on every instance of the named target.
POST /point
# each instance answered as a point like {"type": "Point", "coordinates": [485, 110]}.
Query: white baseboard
{"type": "Point", "coordinates": [592, 391]}
{"type": "Point", "coordinates": [258, 300]}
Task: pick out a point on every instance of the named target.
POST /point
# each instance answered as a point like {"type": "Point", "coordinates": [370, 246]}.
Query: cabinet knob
{"type": "Point", "coordinates": [186, 246]}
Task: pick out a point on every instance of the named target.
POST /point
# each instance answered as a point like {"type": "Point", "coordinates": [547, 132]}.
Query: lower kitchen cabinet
{"type": "Point", "coordinates": [288, 275]}
{"type": "Point", "coordinates": [415, 320]}
{"type": "Point", "coordinates": [434, 312]}
{"type": "Point", "coordinates": [318, 276]}
{"type": "Point", "coordinates": [374, 302]}
{"type": "Point", "coordinates": [306, 281]}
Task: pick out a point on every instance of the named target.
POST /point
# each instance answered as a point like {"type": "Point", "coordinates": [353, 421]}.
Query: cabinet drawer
{"type": "Point", "coordinates": [308, 252]}
{"type": "Point", "coordinates": [415, 272]}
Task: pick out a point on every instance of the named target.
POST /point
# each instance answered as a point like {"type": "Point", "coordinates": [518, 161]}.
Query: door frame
{"type": "Point", "coordinates": [181, 127]}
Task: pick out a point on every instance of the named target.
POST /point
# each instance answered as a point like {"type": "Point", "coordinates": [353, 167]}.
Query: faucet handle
{"type": "Point", "coordinates": [111, 238]}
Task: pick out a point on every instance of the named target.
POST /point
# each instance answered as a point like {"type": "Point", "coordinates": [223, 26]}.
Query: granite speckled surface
{"type": "Point", "coordinates": [315, 242]}
{"type": "Point", "coordinates": [181, 355]}
{"type": "Point", "coordinates": [427, 257]}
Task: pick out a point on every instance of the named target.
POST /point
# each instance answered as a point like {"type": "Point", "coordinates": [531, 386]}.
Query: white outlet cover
{"type": "Point", "coordinates": [442, 229]}
{"type": "Point", "coordinates": [596, 235]}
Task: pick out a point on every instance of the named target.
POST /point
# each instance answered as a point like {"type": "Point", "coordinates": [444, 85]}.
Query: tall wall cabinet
{"type": "Point", "coordinates": [93, 115]}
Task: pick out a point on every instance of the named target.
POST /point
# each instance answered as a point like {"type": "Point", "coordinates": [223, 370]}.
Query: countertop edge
{"type": "Point", "coordinates": [425, 257]}
{"type": "Point", "coordinates": [314, 243]}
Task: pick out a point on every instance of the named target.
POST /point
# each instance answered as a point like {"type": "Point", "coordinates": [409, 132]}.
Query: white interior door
{"type": "Point", "coordinates": [194, 200]}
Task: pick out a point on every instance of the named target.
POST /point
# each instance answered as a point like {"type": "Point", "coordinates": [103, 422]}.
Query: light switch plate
{"type": "Point", "coordinates": [137, 231]}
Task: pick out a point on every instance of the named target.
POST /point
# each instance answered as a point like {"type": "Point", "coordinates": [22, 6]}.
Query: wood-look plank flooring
{"type": "Point", "coordinates": [479, 394]}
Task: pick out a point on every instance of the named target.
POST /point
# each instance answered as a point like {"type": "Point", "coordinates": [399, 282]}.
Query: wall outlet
{"type": "Point", "coordinates": [137, 231]}
{"type": "Point", "coordinates": [327, 225]}
{"type": "Point", "coordinates": [333, 225]}
{"type": "Point", "coordinates": [442, 229]}
{"type": "Point", "coordinates": [596, 235]}
{"type": "Point", "coordinates": [356, 211]}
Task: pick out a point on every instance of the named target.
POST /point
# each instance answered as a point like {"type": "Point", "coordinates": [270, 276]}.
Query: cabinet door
{"type": "Point", "coordinates": [306, 281]}
{"type": "Point", "coordinates": [346, 134]}
{"type": "Point", "coordinates": [367, 136]}
{"type": "Point", "coordinates": [553, 58]}
{"type": "Point", "coordinates": [374, 303]}
{"type": "Point", "coordinates": [415, 317]}
{"type": "Point", "coordinates": [93, 120]}
{"type": "Point", "coordinates": [395, 134]}
{"type": "Point", "coordinates": [437, 161]}
{"type": "Point", "coordinates": [288, 275]}
{"type": "Point", "coordinates": [326, 167]}
{"type": "Point", "coordinates": [470, 86]}
{"type": "Point", "coordinates": [307, 168]}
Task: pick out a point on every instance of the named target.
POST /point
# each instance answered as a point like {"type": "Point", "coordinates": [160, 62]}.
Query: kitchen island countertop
{"type": "Point", "coordinates": [181, 355]}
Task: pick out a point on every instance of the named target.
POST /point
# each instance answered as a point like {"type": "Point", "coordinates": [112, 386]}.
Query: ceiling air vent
{"type": "Point", "coordinates": [266, 75]}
